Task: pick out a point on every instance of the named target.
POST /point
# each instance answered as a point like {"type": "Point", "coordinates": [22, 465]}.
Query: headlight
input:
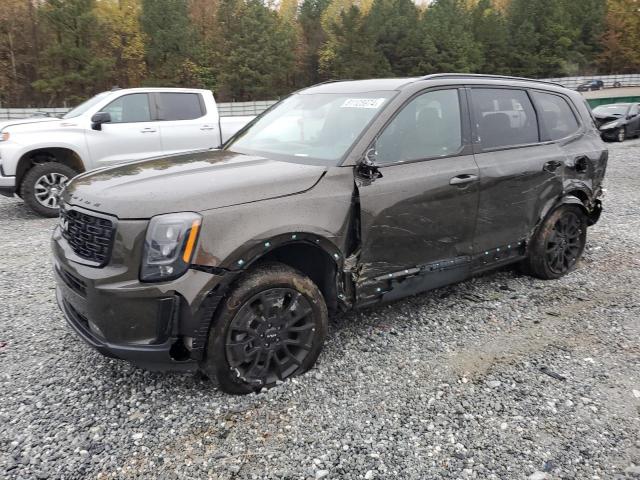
{"type": "Point", "coordinates": [4, 136]}
{"type": "Point", "coordinates": [609, 125]}
{"type": "Point", "coordinates": [169, 245]}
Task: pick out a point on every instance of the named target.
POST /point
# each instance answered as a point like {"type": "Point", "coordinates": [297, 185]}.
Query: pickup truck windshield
{"type": "Point", "coordinates": [311, 128]}
{"type": "Point", "coordinates": [84, 106]}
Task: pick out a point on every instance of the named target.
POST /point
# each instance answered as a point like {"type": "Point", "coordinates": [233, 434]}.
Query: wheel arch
{"type": "Point", "coordinates": [64, 155]}
{"type": "Point", "coordinates": [313, 255]}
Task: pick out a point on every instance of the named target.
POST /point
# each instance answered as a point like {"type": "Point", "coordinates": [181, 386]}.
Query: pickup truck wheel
{"type": "Point", "coordinates": [271, 327]}
{"type": "Point", "coordinates": [558, 243]}
{"type": "Point", "coordinates": [42, 185]}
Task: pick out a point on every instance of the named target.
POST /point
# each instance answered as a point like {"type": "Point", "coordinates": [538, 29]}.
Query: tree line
{"type": "Point", "coordinates": [59, 52]}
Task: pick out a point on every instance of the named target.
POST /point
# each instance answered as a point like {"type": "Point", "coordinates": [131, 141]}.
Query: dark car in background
{"type": "Point", "coordinates": [590, 85]}
{"type": "Point", "coordinates": [618, 121]}
{"type": "Point", "coordinates": [343, 195]}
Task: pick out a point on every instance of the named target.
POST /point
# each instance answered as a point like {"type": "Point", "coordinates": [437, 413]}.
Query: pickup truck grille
{"type": "Point", "coordinates": [90, 237]}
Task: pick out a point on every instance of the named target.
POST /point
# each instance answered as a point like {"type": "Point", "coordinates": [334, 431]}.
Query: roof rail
{"type": "Point", "coordinates": [329, 81]}
{"type": "Point", "coordinates": [488, 77]}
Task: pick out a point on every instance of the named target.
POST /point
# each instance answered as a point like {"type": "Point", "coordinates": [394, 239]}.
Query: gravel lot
{"type": "Point", "coordinates": [446, 384]}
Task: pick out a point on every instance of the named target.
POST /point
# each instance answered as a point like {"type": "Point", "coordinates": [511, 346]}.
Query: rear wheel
{"type": "Point", "coordinates": [271, 327]}
{"type": "Point", "coordinates": [558, 243]}
{"type": "Point", "coordinates": [42, 185]}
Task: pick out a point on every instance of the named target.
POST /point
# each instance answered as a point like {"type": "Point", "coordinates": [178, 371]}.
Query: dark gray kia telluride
{"type": "Point", "coordinates": [342, 195]}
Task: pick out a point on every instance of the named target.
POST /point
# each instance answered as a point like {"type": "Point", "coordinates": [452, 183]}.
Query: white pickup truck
{"type": "Point", "coordinates": [39, 155]}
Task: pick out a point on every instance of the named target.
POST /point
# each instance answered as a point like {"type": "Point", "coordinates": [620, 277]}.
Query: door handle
{"type": "Point", "coordinates": [207, 127]}
{"type": "Point", "coordinates": [552, 166]}
{"type": "Point", "coordinates": [148, 130]}
{"type": "Point", "coordinates": [463, 179]}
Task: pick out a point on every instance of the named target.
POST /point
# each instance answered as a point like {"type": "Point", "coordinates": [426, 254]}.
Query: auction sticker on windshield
{"type": "Point", "coordinates": [362, 103]}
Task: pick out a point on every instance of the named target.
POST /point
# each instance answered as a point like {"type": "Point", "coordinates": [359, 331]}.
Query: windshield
{"type": "Point", "coordinates": [84, 106]}
{"type": "Point", "coordinates": [311, 128]}
{"type": "Point", "coordinates": [607, 110]}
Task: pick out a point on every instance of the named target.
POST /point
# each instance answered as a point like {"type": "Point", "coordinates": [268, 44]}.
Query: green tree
{"type": "Point", "coordinates": [543, 40]}
{"type": "Point", "coordinates": [394, 25]}
{"type": "Point", "coordinates": [350, 49]}
{"type": "Point", "coordinates": [448, 43]}
{"type": "Point", "coordinates": [72, 66]}
{"type": "Point", "coordinates": [313, 37]}
{"type": "Point", "coordinates": [169, 42]}
{"type": "Point", "coordinates": [489, 30]}
{"type": "Point", "coordinates": [259, 51]}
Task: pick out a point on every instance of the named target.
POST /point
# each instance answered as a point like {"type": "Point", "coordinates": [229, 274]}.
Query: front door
{"type": "Point", "coordinates": [634, 119]}
{"type": "Point", "coordinates": [131, 134]}
{"type": "Point", "coordinates": [418, 218]}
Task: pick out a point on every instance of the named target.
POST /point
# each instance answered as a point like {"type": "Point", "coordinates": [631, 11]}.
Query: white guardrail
{"type": "Point", "coordinates": [226, 109]}
{"type": "Point", "coordinates": [235, 109]}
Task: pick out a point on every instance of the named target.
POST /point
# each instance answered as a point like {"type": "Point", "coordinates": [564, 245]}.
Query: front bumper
{"type": "Point", "coordinates": [148, 324]}
{"type": "Point", "coordinates": [7, 185]}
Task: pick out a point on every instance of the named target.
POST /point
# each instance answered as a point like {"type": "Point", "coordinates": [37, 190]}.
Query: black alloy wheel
{"type": "Point", "coordinates": [557, 244]}
{"type": "Point", "coordinates": [270, 336]}
{"type": "Point", "coordinates": [269, 327]}
{"type": "Point", "coordinates": [564, 244]}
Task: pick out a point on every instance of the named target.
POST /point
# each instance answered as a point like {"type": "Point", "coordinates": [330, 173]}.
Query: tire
{"type": "Point", "coordinates": [33, 190]}
{"type": "Point", "coordinates": [621, 135]}
{"type": "Point", "coordinates": [548, 258]}
{"type": "Point", "coordinates": [248, 347]}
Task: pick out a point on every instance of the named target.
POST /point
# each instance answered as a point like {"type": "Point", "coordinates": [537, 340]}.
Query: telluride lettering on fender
{"type": "Point", "coordinates": [344, 194]}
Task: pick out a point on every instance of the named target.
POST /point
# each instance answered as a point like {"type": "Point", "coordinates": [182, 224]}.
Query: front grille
{"type": "Point", "coordinates": [90, 237]}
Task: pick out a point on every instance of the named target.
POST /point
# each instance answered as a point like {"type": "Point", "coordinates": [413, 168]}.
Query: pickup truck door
{"type": "Point", "coordinates": [131, 135]}
{"type": "Point", "coordinates": [418, 217]}
{"type": "Point", "coordinates": [185, 124]}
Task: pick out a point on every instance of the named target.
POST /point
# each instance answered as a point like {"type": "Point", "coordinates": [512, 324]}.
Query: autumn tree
{"type": "Point", "coordinates": [620, 52]}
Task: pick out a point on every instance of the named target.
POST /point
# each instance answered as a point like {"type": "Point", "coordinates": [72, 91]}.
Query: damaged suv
{"type": "Point", "coordinates": [343, 195]}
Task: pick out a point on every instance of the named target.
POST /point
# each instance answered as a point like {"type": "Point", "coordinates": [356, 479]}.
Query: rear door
{"type": "Point", "coordinates": [131, 134]}
{"type": "Point", "coordinates": [520, 172]}
{"type": "Point", "coordinates": [184, 124]}
{"type": "Point", "coordinates": [419, 217]}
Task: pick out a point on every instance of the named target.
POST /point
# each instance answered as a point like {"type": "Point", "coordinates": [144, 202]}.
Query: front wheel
{"type": "Point", "coordinates": [270, 327]}
{"type": "Point", "coordinates": [558, 243]}
{"type": "Point", "coordinates": [621, 135]}
{"type": "Point", "coordinates": [42, 185]}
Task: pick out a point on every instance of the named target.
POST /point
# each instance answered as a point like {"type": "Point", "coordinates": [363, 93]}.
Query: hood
{"type": "Point", "coordinates": [26, 121]}
{"type": "Point", "coordinates": [192, 182]}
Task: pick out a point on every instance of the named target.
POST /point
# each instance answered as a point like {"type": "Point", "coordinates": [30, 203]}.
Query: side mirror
{"type": "Point", "coordinates": [367, 167]}
{"type": "Point", "coordinates": [99, 118]}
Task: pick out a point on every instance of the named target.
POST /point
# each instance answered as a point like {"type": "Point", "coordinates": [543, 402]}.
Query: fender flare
{"type": "Point", "coordinates": [244, 258]}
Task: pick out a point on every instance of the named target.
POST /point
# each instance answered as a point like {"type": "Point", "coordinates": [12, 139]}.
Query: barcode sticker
{"type": "Point", "coordinates": [362, 103]}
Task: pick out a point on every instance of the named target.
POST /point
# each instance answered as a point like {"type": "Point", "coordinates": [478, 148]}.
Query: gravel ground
{"type": "Point", "coordinates": [446, 384]}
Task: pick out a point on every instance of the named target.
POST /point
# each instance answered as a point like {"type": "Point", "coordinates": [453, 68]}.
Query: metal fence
{"type": "Point", "coordinates": [625, 80]}
{"type": "Point", "coordinates": [226, 109]}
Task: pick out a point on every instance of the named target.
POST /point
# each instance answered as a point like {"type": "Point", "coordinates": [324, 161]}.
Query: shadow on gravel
{"type": "Point", "coordinates": [15, 209]}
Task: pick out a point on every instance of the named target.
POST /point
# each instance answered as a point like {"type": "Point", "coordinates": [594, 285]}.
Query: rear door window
{"type": "Point", "coordinates": [179, 106]}
{"type": "Point", "coordinates": [504, 118]}
{"type": "Point", "coordinates": [556, 117]}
